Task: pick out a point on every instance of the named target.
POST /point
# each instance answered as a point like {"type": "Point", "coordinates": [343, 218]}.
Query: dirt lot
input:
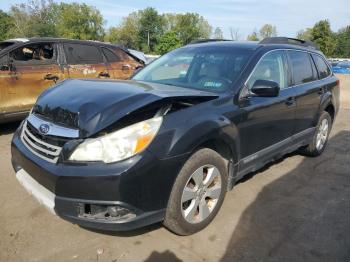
{"type": "Point", "coordinates": [295, 210]}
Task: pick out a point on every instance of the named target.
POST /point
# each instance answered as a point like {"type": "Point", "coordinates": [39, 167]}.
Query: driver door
{"type": "Point", "coordinates": [267, 122]}
{"type": "Point", "coordinates": [33, 68]}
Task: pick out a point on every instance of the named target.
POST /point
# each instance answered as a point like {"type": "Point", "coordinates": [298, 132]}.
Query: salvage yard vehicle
{"type": "Point", "coordinates": [342, 67]}
{"type": "Point", "coordinates": [29, 66]}
{"type": "Point", "coordinates": [168, 144]}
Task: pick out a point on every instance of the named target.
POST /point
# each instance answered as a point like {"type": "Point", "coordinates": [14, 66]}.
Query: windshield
{"type": "Point", "coordinates": [212, 68]}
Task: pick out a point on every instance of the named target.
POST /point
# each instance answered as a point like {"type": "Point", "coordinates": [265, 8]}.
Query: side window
{"type": "Point", "coordinates": [314, 70]}
{"type": "Point", "coordinates": [271, 67]}
{"type": "Point", "coordinates": [323, 68]}
{"type": "Point", "coordinates": [301, 67]}
{"type": "Point", "coordinates": [110, 55]}
{"type": "Point", "coordinates": [82, 54]}
{"type": "Point", "coordinates": [122, 55]}
{"type": "Point", "coordinates": [3, 60]}
{"type": "Point", "coordinates": [41, 53]}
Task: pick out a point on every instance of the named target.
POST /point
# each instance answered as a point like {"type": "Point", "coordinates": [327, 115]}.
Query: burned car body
{"type": "Point", "coordinates": [29, 66]}
{"type": "Point", "coordinates": [167, 145]}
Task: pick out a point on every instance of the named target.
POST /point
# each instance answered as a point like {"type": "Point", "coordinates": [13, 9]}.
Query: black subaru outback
{"type": "Point", "coordinates": [167, 144]}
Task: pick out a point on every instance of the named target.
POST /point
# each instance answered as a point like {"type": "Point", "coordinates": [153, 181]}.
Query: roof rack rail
{"type": "Point", "coordinates": [290, 41]}
{"type": "Point", "coordinates": [199, 41]}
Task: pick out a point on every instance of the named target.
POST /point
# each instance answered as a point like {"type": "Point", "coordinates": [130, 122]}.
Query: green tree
{"type": "Point", "coordinates": [253, 36]}
{"type": "Point", "coordinates": [322, 35]}
{"type": "Point", "coordinates": [170, 21]}
{"type": "Point", "coordinates": [79, 21]}
{"type": "Point", "coordinates": [268, 30]}
{"type": "Point", "coordinates": [191, 26]}
{"type": "Point", "coordinates": [150, 29]}
{"type": "Point", "coordinates": [34, 18]}
{"type": "Point", "coordinates": [169, 41]}
{"type": "Point", "coordinates": [342, 48]}
{"type": "Point", "coordinates": [6, 23]}
{"type": "Point", "coordinates": [305, 34]}
{"type": "Point", "coordinates": [218, 34]}
{"type": "Point", "coordinates": [126, 33]}
{"type": "Point", "coordinates": [143, 26]}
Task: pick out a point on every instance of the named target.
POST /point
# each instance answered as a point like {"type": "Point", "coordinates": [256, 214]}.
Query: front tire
{"type": "Point", "coordinates": [320, 138]}
{"type": "Point", "coordinates": [197, 194]}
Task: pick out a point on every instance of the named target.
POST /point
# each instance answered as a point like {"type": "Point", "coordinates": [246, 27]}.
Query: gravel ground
{"type": "Point", "coordinates": [296, 209]}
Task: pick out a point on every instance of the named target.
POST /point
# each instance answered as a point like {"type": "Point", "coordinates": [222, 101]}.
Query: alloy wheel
{"type": "Point", "coordinates": [322, 134]}
{"type": "Point", "coordinates": [201, 194]}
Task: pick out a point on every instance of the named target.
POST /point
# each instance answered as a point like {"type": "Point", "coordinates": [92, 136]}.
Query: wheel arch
{"type": "Point", "coordinates": [327, 105]}
{"type": "Point", "coordinates": [228, 151]}
{"type": "Point", "coordinates": [210, 130]}
{"type": "Point", "coordinates": [330, 109]}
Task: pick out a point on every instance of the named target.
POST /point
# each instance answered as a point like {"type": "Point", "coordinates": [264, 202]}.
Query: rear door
{"type": "Point", "coordinates": [120, 64]}
{"type": "Point", "coordinates": [34, 68]}
{"type": "Point", "coordinates": [85, 61]}
{"type": "Point", "coordinates": [308, 90]}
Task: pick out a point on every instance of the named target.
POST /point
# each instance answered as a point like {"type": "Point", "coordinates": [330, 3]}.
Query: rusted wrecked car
{"type": "Point", "coordinates": [29, 66]}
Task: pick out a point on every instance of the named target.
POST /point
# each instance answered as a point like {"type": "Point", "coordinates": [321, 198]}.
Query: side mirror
{"type": "Point", "coordinates": [265, 88]}
{"type": "Point", "coordinates": [138, 69]}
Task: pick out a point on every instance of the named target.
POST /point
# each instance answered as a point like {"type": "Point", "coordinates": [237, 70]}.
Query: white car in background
{"type": "Point", "coordinates": [146, 58]}
{"type": "Point", "coordinates": [138, 54]}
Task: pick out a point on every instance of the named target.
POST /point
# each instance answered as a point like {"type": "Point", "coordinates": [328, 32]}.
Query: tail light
{"type": "Point", "coordinates": [338, 82]}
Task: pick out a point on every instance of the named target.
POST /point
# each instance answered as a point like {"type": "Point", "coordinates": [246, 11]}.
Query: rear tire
{"type": "Point", "coordinates": [320, 138]}
{"type": "Point", "coordinates": [197, 194]}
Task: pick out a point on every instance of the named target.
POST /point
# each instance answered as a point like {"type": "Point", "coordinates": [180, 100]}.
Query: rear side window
{"type": "Point", "coordinates": [110, 55]}
{"type": "Point", "coordinates": [271, 67]}
{"type": "Point", "coordinates": [323, 69]}
{"type": "Point", "coordinates": [122, 55]}
{"type": "Point", "coordinates": [301, 67]}
{"type": "Point", "coordinates": [82, 54]}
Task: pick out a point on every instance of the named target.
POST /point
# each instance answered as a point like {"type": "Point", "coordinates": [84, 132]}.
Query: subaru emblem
{"type": "Point", "coordinates": [44, 129]}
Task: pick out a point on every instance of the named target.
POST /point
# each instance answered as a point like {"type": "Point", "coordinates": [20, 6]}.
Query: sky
{"type": "Point", "coordinates": [246, 16]}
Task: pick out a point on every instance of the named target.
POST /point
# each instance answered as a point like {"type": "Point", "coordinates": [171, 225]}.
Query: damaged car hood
{"type": "Point", "coordinates": [92, 105]}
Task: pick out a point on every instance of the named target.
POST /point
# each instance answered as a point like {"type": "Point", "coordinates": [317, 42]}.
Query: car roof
{"type": "Point", "coordinates": [53, 39]}
{"type": "Point", "coordinates": [225, 43]}
{"type": "Point", "coordinates": [19, 41]}
{"type": "Point", "coordinates": [253, 45]}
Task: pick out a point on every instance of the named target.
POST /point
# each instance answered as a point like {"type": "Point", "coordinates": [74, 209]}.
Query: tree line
{"type": "Point", "coordinates": [332, 44]}
{"type": "Point", "coordinates": [145, 30]}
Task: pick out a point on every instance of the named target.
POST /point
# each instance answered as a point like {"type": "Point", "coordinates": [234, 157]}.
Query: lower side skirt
{"type": "Point", "coordinates": [258, 160]}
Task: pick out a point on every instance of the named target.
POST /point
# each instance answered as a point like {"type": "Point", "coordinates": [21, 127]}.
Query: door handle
{"type": "Point", "coordinates": [51, 77]}
{"type": "Point", "coordinates": [320, 91]}
{"type": "Point", "coordinates": [126, 67]}
{"type": "Point", "coordinates": [290, 101]}
{"type": "Point", "coordinates": [104, 74]}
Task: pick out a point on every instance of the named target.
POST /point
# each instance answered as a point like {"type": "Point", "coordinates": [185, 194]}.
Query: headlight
{"type": "Point", "coordinates": [118, 145]}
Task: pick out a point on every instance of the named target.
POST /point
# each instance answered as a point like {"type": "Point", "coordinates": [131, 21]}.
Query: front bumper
{"type": "Point", "coordinates": [69, 209]}
{"type": "Point", "coordinates": [141, 185]}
